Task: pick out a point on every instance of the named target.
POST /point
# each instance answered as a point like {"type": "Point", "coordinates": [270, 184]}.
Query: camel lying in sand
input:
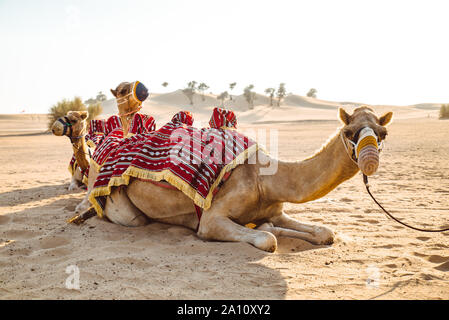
{"type": "Point", "coordinates": [249, 197]}
{"type": "Point", "coordinates": [73, 125]}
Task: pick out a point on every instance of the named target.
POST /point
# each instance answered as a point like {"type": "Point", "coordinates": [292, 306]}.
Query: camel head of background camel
{"type": "Point", "coordinates": [363, 133]}
{"type": "Point", "coordinates": [130, 96]}
{"type": "Point", "coordinates": [72, 125]}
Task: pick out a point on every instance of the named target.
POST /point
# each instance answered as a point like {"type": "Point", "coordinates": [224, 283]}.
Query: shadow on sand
{"type": "Point", "coordinates": [170, 261]}
{"type": "Point", "coordinates": [22, 196]}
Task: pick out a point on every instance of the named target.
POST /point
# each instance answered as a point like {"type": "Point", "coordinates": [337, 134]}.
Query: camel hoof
{"type": "Point", "coordinates": [81, 207]}
{"type": "Point", "coordinates": [266, 242]}
{"type": "Point", "coordinates": [72, 187]}
{"type": "Point", "coordinates": [324, 236]}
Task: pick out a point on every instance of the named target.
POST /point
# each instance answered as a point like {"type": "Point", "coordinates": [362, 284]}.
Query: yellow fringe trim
{"type": "Point", "coordinates": [85, 180]}
{"type": "Point", "coordinates": [171, 178]}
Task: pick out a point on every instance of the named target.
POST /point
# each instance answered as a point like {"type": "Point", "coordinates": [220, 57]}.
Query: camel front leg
{"type": "Point", "coordinates": [311, 233]}
{"type": "Point", "coordinates": [76, 181]}
{"type": "Point", "coordinates": [224, 229]}
{"type": "Point", "coordinates": [283, 232]}
{"type": "Point", "coordinates": [83, 205]}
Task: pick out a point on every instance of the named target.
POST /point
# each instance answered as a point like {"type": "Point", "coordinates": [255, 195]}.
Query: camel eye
{"type": "Point", "coordinates": [382, 133]}
{"type": "Point", "coordinates": [348, 133]}
{"type": "Point", "coordinates": [123, 91]}
{"type": "Point", "coordinates": [73, 121]}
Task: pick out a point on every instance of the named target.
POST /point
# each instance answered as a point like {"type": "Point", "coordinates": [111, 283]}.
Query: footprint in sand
{"type": "Point", "coordinates": [389, 246]}
{"type": "Point", "coordinates": [70, 207]}
{"type": "Point", "coordinates": [372, 221]}
{"type": "Point", "coordinates": [21, 234]}
{"type": "Point", "coordinates": [4, 219]}
{"type": "Point", "coordinates": [437, 259]}
{"type": "Point", "coordinates": [423, 238]}
{"type": "Point", "coordinates": [53, 242]}
{"type": "Point", "coordinates": [443, 267]}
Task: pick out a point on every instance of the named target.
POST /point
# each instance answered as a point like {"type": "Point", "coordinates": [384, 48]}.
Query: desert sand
{"type": "Point", "coordinates": [373, 257]}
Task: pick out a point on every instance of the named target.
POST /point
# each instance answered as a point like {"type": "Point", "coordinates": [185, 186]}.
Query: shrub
{"type": "Point", "coordinates": [61, 108]}
{"type": "Point", "coordinates": [444, 111]}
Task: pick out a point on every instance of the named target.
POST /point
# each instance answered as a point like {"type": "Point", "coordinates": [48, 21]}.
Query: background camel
{"type": "Point", "coordinates": [73, 125]}
{"type": "Point", "coordinates": [248, 196]}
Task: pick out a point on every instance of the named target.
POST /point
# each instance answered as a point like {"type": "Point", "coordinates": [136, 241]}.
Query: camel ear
{"type": "Point", "coordinates": [114, 92]}
{"type": "Point", "coordinates": [84, 115]}
{"type": "Point", "coordinates": [344, 116]}
{"type": "Point", "coordinates": [386, 119]}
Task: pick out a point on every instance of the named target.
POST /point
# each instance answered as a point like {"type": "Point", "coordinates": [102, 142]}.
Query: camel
{"type": "Point", "coordinates": [73, 125]}
{"type": "Point", "coordinates": [250, 197]}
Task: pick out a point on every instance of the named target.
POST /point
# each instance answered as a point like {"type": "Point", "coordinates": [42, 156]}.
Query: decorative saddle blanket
{"type": "Point", "coordinates": [99, 129]}
{"type": "Point", "coordinates": [190, 159]}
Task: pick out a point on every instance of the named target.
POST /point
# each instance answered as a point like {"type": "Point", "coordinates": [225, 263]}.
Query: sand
{"type": "Point", "coordinates": [372, 257]}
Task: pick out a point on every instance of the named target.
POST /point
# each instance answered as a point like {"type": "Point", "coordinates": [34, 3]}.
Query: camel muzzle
{"type": "Point", "coordinates": [57, 128]}
{"type": "Point", "coordinates": [61, 127]}
{"type": "Point", "coordinates": [367, 151]}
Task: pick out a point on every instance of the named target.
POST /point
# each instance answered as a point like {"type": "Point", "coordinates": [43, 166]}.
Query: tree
{"type": "Point", "coordinates": [250, 96]}
{"type": "Point", "coordinates": [201, 88]}
{"type": "Point", "coordinates": [90, 101]}
{"type": "Point", "coordinates": [165, 84]}
{"type": "Point", "coordinates": [270, 92]}
{"type": "Point", "coordinates": [190, 91]}
{"type": "Point", "coordinates": [101, 96]}
{"type": "Point", "coordinates": [312, 93]}
{"type": "Point", "coordinates": [281, 93]}
{"type": "Point", "coordinates": [231, 87]}
{"type": "Point", "coordinates": [223, 97]}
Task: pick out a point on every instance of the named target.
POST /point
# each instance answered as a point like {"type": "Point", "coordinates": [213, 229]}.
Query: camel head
{"type": "Point", "coordinates": [72, 125]}
{"type": "Point", "coordinates": [130, 96]}
{"type": "Point", "coordinates": [363, 133]}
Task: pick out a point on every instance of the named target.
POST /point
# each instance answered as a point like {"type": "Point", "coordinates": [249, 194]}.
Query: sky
{"type": "Point", "coordinates": [376, 52]}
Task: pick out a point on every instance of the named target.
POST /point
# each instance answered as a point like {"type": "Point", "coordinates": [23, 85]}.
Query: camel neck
{"type": "Point", "coordinates": [81, 152]}
{"type": "Point", "coordinates": [312, 178]}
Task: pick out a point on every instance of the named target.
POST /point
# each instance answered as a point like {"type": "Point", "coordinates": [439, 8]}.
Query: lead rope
{"type": "Point", "coordinates": [365, 180]}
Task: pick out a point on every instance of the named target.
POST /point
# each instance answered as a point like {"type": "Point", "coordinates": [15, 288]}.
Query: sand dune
{"type": "Point", "coordinates": [293, 108]}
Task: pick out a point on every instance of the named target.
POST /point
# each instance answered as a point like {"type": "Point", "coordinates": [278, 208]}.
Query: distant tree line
{"type": "Point", "coordinates": [276, 96]}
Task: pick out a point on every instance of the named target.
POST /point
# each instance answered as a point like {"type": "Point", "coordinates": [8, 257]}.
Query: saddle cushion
{"type": "Point", "coordinates": [192, 160]}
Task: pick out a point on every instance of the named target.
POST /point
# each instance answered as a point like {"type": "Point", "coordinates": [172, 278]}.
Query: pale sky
{"type": "Point", "coordinates": [377, 52]}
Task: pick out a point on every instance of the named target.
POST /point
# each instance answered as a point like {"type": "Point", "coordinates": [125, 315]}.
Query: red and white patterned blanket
{"type": "Point", "coordinates": [192, 160]}
{"type": "Point", "coordinates": [99, 129]}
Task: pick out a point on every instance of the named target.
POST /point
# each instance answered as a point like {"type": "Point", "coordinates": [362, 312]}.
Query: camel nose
{"type": "Point", "coordinates": [57, 129]}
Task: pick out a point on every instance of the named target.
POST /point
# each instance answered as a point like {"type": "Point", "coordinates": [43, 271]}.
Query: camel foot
{"type": "Point", "coordinates": [73, 186]}
{"type": "Point", "coordinates": [323, 236]}
{"type": "Point", "coordinates": [83, 206]}
{"type": "Point", "coordinates": [266, 241]}
{"type": "Point", "coordinates": [224, 229]}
